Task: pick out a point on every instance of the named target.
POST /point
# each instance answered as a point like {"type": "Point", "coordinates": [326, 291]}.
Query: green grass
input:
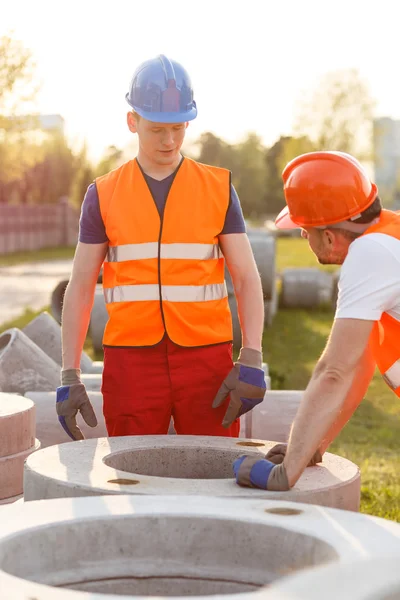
{"type": "Point", "coordinates": [292, 346]}
{"type": "Point", "coordinates": [15, 258]}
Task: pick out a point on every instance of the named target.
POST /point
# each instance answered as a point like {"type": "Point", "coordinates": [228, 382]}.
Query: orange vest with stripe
{"type": "Point", "coordinates": [165, 274]}
{"type": "Point", "coordinates": [385, 337]}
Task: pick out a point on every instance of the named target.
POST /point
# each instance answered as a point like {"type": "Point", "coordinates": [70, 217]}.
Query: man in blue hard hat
{"type": "Point", "coordinates": [164, 225]}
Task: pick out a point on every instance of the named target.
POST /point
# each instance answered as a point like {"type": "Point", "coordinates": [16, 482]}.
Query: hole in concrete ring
{"type": "Point", "coordinates": [249, 444]}
{"type": "Point", "coordinates": [283, 511]}
{"type": "Point", "coordinates": [176, 461]}
{"type": "Point", "coordinates": [160, 555]}
{"type": "Point", "coordinates": [124, 481]}
{"type": "Point", "coordinates": [5, 339]}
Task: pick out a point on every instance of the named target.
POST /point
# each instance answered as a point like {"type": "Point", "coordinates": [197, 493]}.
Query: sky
{"type": "Point", "coordinates": [251, 62]}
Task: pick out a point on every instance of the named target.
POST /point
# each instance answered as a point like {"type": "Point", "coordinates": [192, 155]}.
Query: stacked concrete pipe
{"type": "Point", "coordinates": [305, 288]}
{"type": "Point", "coordinates": [169, 465]}
{"type": "Point", "coordinates": [131, 547]}
{"type": "Point", "coordinates": [45, 332]}
{"type": "Point", "coordinates": [17, 441]}
{"type": "Point", "coordinates": [24, 366]}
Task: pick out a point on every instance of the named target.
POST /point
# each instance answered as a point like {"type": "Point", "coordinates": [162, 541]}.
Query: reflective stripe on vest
{"type": "Point", "coordinates": [169, 293]}
{"type": "Point", "coordinates": [173, 251]}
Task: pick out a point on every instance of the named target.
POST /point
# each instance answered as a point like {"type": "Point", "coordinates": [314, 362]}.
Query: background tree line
{"type": "Point", "coordinates": [39, 166]}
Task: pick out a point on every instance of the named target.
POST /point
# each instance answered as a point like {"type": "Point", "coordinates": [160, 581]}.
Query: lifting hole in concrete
{"type": "Point", "coordinates": [4, 341]}
{"type": "Point", "coordinates": [124, 481]}
{"type": "Point", "coordinates": [249, 444]}
{"type": "Point", "coordinates": [176, 462]}
{"type": "Point", "coordinates": [283, 511]}
{"type": "Point", "coordinates": [142, 555]}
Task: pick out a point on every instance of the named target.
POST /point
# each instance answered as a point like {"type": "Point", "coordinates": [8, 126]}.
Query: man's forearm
{"type": "Point", "coordinates": [250, 303]}
{"type": "Point", "coordinates": [320, 408]}
{"type": "Point", "coordinates": [77, 307]}
{"type": "Point", "coordinates": [359, 387]}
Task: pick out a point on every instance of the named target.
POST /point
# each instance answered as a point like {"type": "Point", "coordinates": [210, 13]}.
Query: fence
{"type": "Point", "coordinates": [35, 226]}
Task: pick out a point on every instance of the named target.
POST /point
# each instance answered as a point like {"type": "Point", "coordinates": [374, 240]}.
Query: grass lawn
{"type": "Point", "coordinates": [7, 260]}
{"type": "Point", "coordinates": [291, 347]}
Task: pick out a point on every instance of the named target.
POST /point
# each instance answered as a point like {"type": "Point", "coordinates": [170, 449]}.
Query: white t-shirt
{"type": "Point", "coordinates": [369, 281]}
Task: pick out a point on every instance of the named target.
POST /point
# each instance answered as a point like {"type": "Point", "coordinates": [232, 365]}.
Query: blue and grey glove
{"type": "Point", "coordinates": [256, 472]}
{"type": "Point", "coordinates": [72, 397]}
{"type": "Point", "coordinates": [278, 453]}
{"type": "Point", "coordinates": [246, 385]}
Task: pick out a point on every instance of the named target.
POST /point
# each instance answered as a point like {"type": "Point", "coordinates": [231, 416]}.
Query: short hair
{"type": "Point", "coordinates": [136, 115]}
{"type": "Point", "coordinates": [370, 213]}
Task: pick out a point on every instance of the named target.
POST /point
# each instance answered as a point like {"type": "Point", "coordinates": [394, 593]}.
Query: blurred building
{"type": "Point", "coordinates": [387, 153]}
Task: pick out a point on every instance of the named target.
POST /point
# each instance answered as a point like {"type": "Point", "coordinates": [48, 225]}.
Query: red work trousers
{"type": "Point", "coordinates": [143, 387]}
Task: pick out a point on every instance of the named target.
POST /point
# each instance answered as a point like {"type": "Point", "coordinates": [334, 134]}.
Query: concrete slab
{"type": "Point", "coordinates": [45, 332]}
{"type": "Point", "coordinates": [131, 546]}
{"type": "Point", "coordinates": [24, 366]}
{"type": "Point", "coordinates": [178, 465]}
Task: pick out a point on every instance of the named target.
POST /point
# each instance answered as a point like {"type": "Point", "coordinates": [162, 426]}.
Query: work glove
{"type": "Point", "coordinates": [72, 397]}
{"type": "Point", "coordinates": [278, 453]}
{"type": "Point", "coordinates": [246, 385]}
{"type": "Point", "coordinates": [257, 472]}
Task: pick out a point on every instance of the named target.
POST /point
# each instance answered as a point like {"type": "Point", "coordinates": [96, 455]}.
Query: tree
{"type": "Point", "coordinates": [215, 151]}
{"type": "Point", "coordinates": [112, 158]}
{"type": "Point", "coordinates": [16, 78]}
{"type": "Point", "coordinates": [249, 178]}
{"type": "Point", "coordinates": [275, 160]}
{"type": "Point", "coordinates": [338, 114]}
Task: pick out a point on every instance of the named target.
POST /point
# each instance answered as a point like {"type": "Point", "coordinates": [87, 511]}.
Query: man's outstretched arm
{"type": "Point", "coordinates": [338, 384]}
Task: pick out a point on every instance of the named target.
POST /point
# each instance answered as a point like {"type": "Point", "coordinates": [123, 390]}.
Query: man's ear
{"type": "Point", "coordinates": [330, 236]}
{"type": "Point", "coordinates": [131, 121]}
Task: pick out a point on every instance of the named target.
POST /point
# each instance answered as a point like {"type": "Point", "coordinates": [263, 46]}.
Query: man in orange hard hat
{"type": "Point", "coordinates": [330, 197]}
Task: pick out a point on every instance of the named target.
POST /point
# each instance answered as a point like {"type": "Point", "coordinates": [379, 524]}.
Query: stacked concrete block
{"type": "Point", "coordinates": [17, 441]}
{"type": "Point", "coordinates": [24, 366]}
{"type": "Point", "coordinates": [45, 332]}
{"type": "Point", "coordinates": [196, 465]}
{"type": "Point", "coordinates": [49, 430]}
{"type": "Point", "coordinates": [273, 418]}
{"type": "Point", "coordinates": [305, 288]}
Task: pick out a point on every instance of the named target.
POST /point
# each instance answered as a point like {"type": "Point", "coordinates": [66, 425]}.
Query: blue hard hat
{"type": "Point", "coordinates": [161, 91]}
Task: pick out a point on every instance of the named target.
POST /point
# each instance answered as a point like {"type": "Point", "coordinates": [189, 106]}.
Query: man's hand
{"type": "Point", "coordinates": [278, 453]}
{"type": "Point", "coordinates": [72, 397]}
{"type": "Point", "coordinates": [246, 385]}
{"type": "Point", "coordinates": [253, 471]}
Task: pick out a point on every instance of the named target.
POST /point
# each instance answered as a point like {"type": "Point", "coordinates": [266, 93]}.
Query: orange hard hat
{"type": "Point", "coordinates": [324, 188]}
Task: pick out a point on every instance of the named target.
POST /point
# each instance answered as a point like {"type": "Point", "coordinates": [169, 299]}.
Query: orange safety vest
{"type": "Point", "coordinates": [385, 337]}
{"type": "Point", "coordinates": [165, 274]}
